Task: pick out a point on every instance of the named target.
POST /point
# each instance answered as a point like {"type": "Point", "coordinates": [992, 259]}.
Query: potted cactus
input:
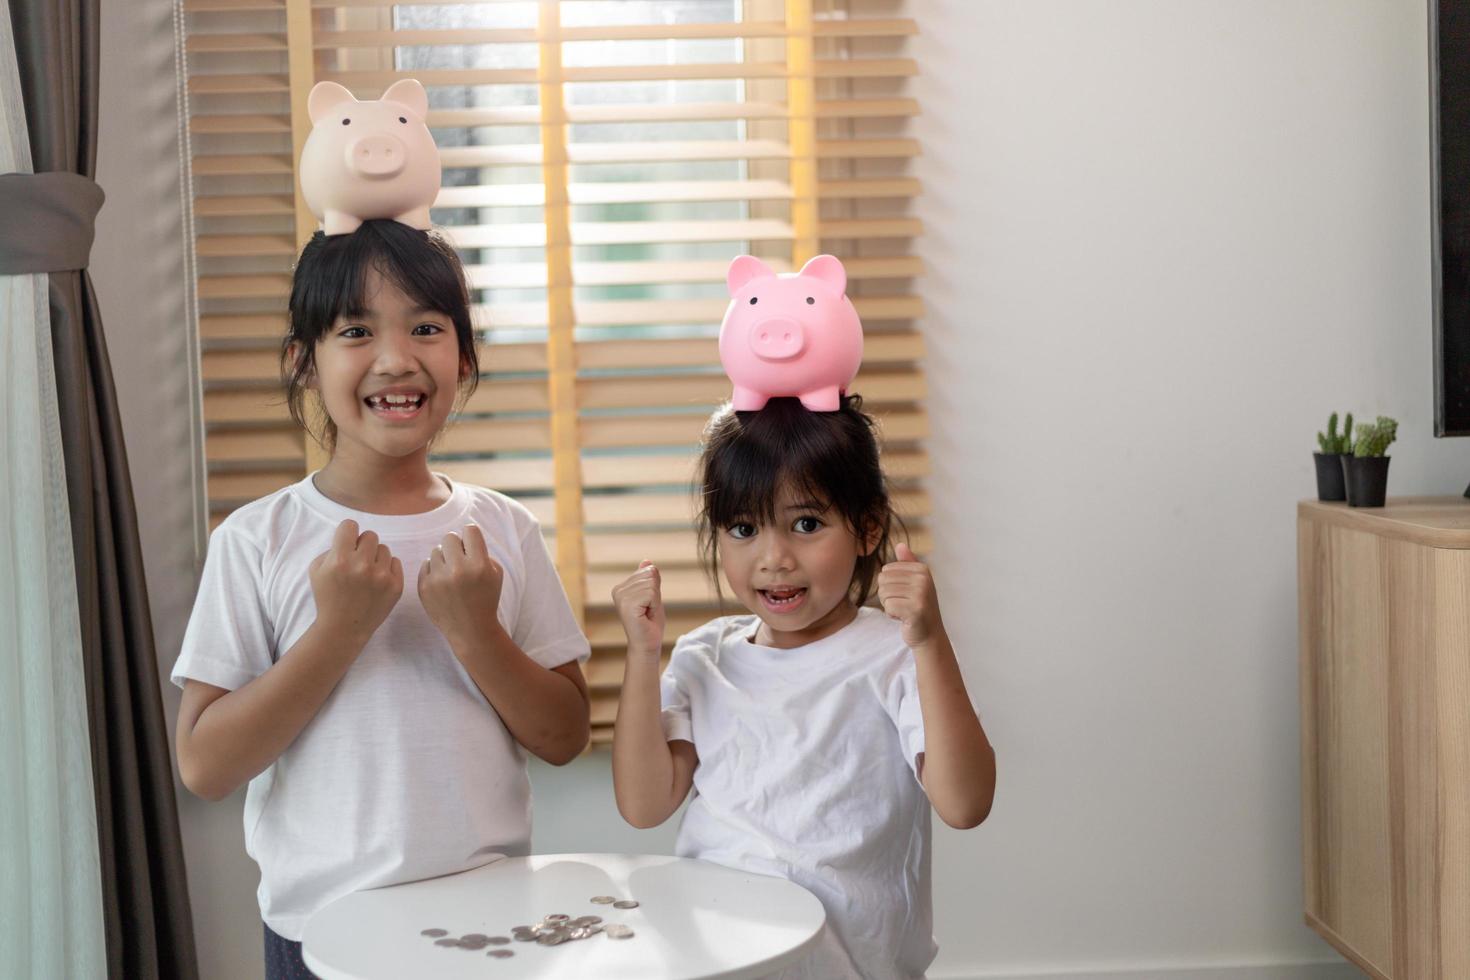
{"type": "Point", "coordinates": [1334, 447]}
{"type": "Point", "coordinates": [1366, 470]}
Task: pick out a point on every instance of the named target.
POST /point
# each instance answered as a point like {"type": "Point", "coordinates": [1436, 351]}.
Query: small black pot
{"type": "Point", "coordinates": [1367, 480]}
{"type": "Point", "coordinates": [1330, 484]}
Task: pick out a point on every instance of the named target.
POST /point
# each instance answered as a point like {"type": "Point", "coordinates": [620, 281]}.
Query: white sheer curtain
{"type": "Point", "coordinates": [50, 876]}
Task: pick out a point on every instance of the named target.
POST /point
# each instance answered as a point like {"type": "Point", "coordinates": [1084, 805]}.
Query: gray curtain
{"type": "Point", "coordinates": [149, 929]}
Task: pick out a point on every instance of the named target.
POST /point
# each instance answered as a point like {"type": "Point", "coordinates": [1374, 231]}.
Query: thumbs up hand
{"type": "Point", "coordinates": [906, 592]}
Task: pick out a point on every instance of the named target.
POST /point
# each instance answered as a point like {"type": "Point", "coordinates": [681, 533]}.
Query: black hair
{"type": "Point", "coordinates": [330, 281]}
{"type": "Point", "coordinates": [830, 457]}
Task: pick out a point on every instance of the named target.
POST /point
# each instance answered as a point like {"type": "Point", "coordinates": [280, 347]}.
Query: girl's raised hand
{"type": "Point", "coordinates": [356, 583]}
{"type": "Point", "coordinates": [906, 590]}
{"type": "Point", "coordinates": [640, 605]}
{"type": "Point", "coordinates": [459, 585]}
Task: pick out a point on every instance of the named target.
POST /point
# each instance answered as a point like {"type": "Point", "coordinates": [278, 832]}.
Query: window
{"type": "Point", "coordinates": [603, 162]}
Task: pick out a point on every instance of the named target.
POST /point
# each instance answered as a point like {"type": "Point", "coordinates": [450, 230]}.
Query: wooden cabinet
{"type": "Point", "coordinates": [1384, 617]}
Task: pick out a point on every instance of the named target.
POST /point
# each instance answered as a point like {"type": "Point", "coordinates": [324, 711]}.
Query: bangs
{"type": "Point", "coordinates": [414, 262]}
{"type": "Point", "coordinates": [758, 453]}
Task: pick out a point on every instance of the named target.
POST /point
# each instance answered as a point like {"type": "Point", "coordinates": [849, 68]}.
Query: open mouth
{"type": "Point", "coordinates": [782, 600]}
{"type": "Point", "coordinates": [398, 405]}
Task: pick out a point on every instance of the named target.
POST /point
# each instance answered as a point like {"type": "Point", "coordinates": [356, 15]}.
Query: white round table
{"type": "Point", "coordinates": [694, 920]}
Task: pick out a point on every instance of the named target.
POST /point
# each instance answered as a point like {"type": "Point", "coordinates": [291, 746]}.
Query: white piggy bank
{"type": "Point", "coordinates": [366, 160]}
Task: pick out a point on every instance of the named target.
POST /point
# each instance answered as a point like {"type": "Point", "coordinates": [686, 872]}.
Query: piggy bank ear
{"type": "Point", "coordinates": [408, 92]}
{"type": "Point", "coordinates": [743, 270]}
{"type": "Point", "coordinates": [828, 269]}
{"type": "Point", "coordinates": [325, 98]}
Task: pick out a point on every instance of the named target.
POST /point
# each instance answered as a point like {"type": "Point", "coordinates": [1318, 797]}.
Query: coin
{"type": "Point", "coordinates": [474, 937]}
{"type": "Point", "coordinates": [498, 940]}
{"type": "Point", "coordinates": [556, 917]}
{"type": "Point", "coordinates": [525, 937]}
{"type": "Point", "coordinates": [603, 899]}
{"type": "Point", "coordinates": [551, 939]}
{"type": "Point", "coordinates": [501, 954]}
{"type": "Point", "coordinates": [616, 931]}
{"type": "Point", "coordinates": [626, 903]}
{"type": "Point", "coordinates": [587, 920]}
{"type": "Point", "coordinates": [450, 941]}
{"type": "Point", "coordinates": [434, 933]}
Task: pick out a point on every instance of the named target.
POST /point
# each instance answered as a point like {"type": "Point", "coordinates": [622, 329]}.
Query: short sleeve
{"type": "Point", "coordinates": [901, 702]}
{"type": "Point", "coordinates": [673, 689]}
{"type": "Point", "coordinates": [229, 641]}
{"type": "Point", "coordinates": [546, 631]}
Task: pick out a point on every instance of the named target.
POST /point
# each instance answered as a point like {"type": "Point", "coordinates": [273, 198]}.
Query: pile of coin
{"type": "Point", "coordinates": [552, 930]}
{"type": "Point", "coordinates": [472, 941]}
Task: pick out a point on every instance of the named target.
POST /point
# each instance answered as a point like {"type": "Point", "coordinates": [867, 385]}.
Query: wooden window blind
{"type": "Point", "coordinates": [603, 162]}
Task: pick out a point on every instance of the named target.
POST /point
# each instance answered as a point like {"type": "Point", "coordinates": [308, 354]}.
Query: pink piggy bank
{"type": "Point", "coordinates": [367, 160]}
{"type": "Point", "coordinates": [790, 335]}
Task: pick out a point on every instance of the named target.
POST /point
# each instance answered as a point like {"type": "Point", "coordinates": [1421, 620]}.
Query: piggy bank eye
{"type": "Point", "coordinates": [346, 121]}
{"type": "Point", "coordinates": [402, 120]}
{"type": "Point", "coordinates": [811, 301]}
{"type": "Point", "coordinates": [752, 301]}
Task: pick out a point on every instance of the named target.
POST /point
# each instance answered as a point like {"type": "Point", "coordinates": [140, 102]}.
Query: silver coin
{"type": "Point", "coordinates": [626, 903]}
{"type": "Point", "coordinates": [551, 939]}
{"type": "Point", "coordinates": [616, 931]}
{"type": "Point", "coordinates": [587, 920]}
{"type": "Point", "coordinates": [448, 941]}
{"type": "Point", "coordinates": [603, 899]}
{"type": "Point", "coordinates": [556, 917]}
{"type": "Point", "coordinates": [498, 940]}
{"type": "Point", "coordinates": [434, 933]}
{"type": "Point", "coordinates": [474, 937]}
{"type": "Point", "coordinates": [525, 937]}
{"type": "Point", "coordinates": [501, 954]}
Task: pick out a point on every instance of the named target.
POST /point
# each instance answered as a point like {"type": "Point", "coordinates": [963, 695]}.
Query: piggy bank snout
{"type": "Point", "coordinates": [377, 155]}
{"type": "Point", "coordinates": [777, 339]}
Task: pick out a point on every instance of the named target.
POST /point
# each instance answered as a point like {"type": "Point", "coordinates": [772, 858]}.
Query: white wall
{"type": "Point", "coordinates": [1164, 240]}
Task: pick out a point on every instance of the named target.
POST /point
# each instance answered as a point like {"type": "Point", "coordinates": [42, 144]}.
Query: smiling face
{"type": "Point", "coordinates": [387, 374]}
{"type": "Point", "coordinates": [793, 571]}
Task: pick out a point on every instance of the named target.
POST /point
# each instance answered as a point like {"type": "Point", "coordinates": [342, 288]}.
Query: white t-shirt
{"type": "Point", "coordinates": [808, 770]}
{"type": "Point", "coordinates": [406, 772]}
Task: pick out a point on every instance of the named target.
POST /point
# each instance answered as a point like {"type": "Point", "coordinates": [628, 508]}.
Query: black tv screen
{"type": "Point", "coordinates": [1449, 85]}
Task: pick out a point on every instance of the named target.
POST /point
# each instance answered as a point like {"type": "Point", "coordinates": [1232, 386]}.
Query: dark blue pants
{"type": "Point", "coordinates": [283, 959]}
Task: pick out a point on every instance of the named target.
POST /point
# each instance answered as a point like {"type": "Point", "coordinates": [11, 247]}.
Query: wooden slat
{"type": "Point", "coordinates": [239, 122]}
{"type": "Point", "coordinates": [256, 327]}
{"type": "Point", "coordinates": [508, 275]}
{"type": "Point", "coordinates": [241, 246]}
{"type": "Point", "coordinates": [248, 287]}
{"type": "Point", "coordinates": [282, 444]}
{"type": "Point", "coordinates": [377, 81]}
{"type": "Point", "coordinates": [237, 84]}
{"type": "Point", "coordinates": [639, 232]}
{"type": "Point", "coordinates": [242, 206]}
{"type": "Point", "coordinates": [224, 165]}
{"type": "Point", "coordinates": [247, 485]}
{"type": "Point", "coordinates": [217, 43]}
{"type": "Point", "coordinates": [259, 405]}
{"type": "Point", "coordinates": [643, 151]}
{"type": "Point", "coordinates": [613, 32]}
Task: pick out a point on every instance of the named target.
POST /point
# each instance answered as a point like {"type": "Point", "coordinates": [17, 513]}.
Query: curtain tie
{"type": "Point", "coordinates": [47, 222]}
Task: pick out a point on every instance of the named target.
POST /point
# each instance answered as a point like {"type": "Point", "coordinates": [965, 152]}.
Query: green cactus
{"type": "Point", "coordinates": [1331, 442]}
{"type": "Point", "coordinates": [1375, 438]}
